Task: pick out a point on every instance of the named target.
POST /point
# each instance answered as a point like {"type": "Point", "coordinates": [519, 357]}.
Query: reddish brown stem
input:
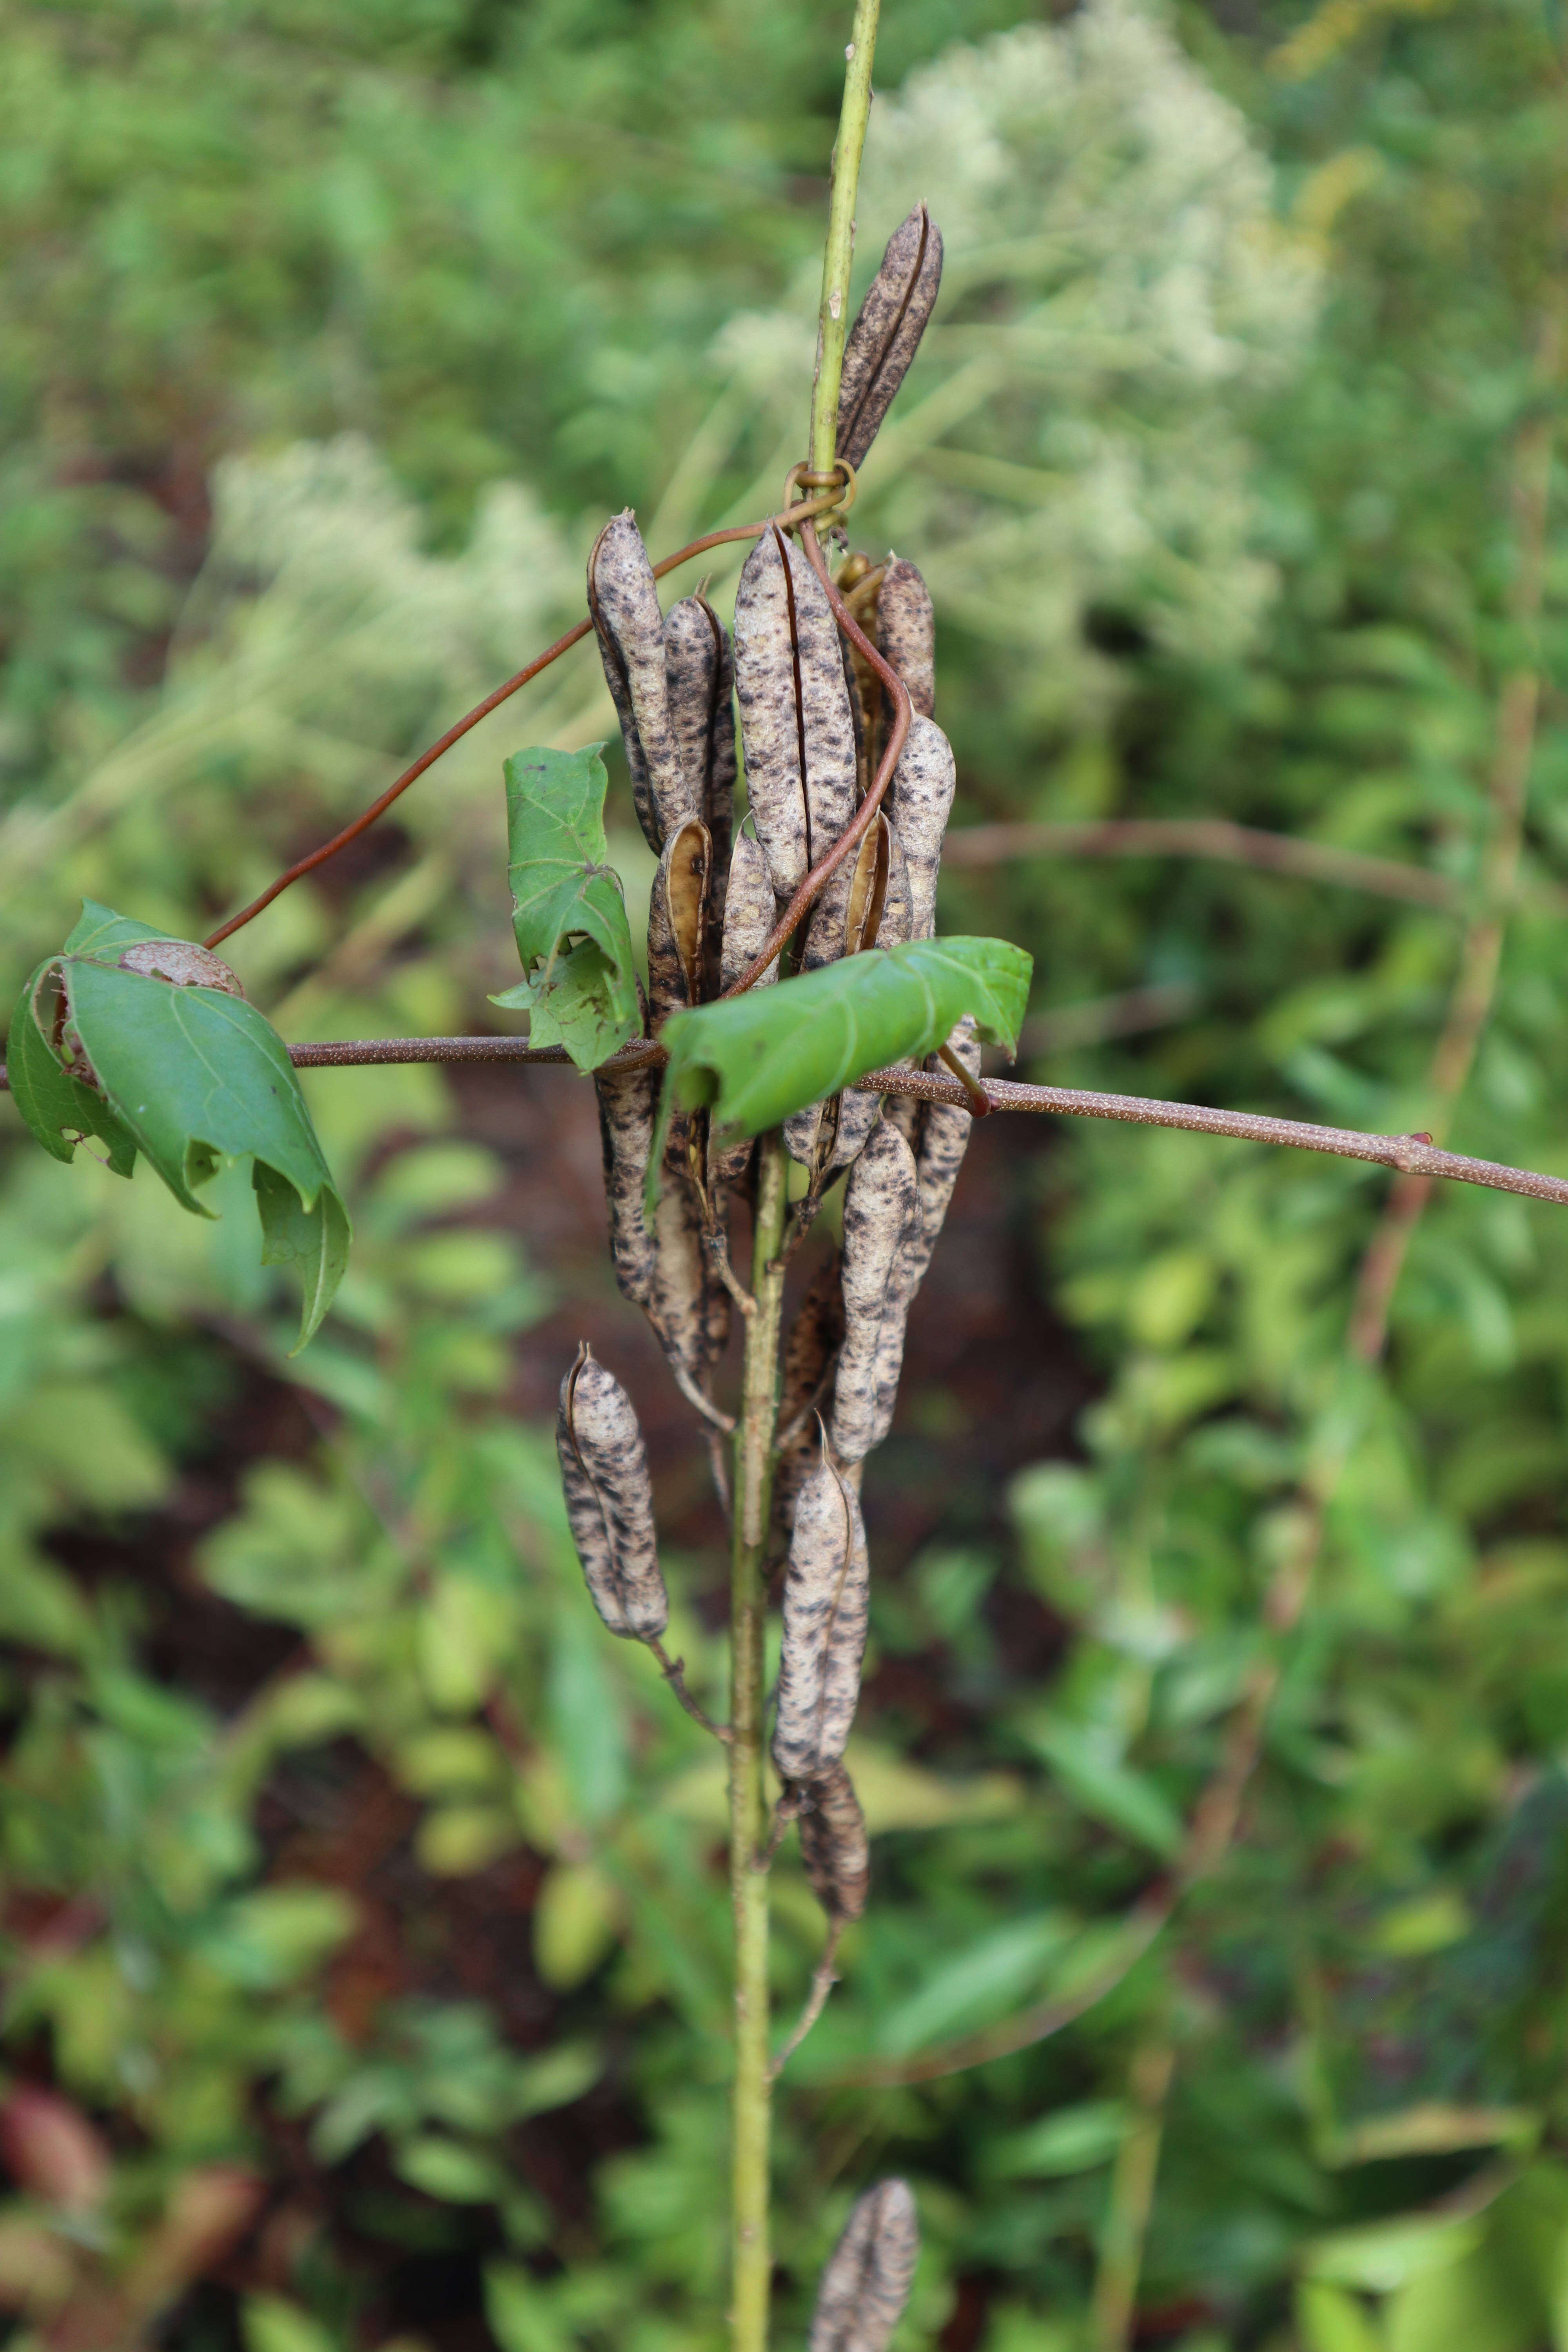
{"type": "Point", "coordinates": [411, 775]}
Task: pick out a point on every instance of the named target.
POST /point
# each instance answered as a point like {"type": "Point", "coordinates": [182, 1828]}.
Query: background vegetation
{"type": "Point", "coordinates": [363, 1922]}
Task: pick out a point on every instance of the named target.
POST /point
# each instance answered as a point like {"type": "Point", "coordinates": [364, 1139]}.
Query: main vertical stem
{"type": "Point", "coordinates": [751, 2261]}
{"type": "Point", "coordinates": [833, 319]}
{"type": "Point", "coordinates": [751, 2103]}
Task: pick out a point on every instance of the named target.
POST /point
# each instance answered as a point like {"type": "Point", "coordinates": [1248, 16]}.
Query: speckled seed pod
{"type": "Point", "coordinates": [856, 1111]}
{"type": "Point", "coordinates": [846, 918]}
{"type": "Point", "coordinates": [690, 1310]}
{"type": "Point", "coordinates": [628, 1100]}
{"type": "Point", "coordinates": [886, 335]}
{"type": "Point", "coordinates": [906, 632]}
{"type": "Point", "coordinates": [699, 671]}
{"type": "Point", "coordinates": [609, 1501]}
{"type": "Point", "coordinates": [623, 597]}
{"type": "Point", "coordinates": [867, 2283]}
{"type": "Point", "coordinates": [786, 633]}
{"type": "Point", "coordinates": [750, 912]}
{"type": "Point", "coordinates": [834, 1846]}
{"type": "Point", "coordinates": [942, 1139]}
{"type": "Point", "coordinates": [920, 800]}
{"type": "Point", "coordinates": [810, 1346]}
{"type": "Point", "coordinates": [827, 1590]}
{"type": "Point", "coordinates": [879, 1204]}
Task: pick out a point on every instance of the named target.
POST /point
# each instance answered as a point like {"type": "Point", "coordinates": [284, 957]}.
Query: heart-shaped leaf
{"type": "Point", "coordinates": [187, 1072]}
{"type": "Point", "coordinates": [569, 913]}
{"type": "Point", "coordinates": [756, 1059]}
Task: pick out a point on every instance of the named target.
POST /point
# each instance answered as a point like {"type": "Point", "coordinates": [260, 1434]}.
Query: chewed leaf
{"type": "Point", "coordinates": [183, 1070]}
{"type": "Point", "coordinates": [756, 1059]}
{"type": "Point", "coordinates": [566, 900]}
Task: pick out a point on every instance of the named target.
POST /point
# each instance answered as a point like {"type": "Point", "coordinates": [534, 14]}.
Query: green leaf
{"type": "Point", "coordinates": [57, 1109]}
{"type": "Point", "coordinates": [1110, 1790]}
{"type": "Point", "coordinates": [191, 1076]}
{"type": "Point", "coordinates": [756, 1059]}
{"type": "Point", "coordinates": [568, 913]}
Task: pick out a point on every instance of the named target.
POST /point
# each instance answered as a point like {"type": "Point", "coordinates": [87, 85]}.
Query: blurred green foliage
{"type": "Point", "coordinates": [364, 1935]}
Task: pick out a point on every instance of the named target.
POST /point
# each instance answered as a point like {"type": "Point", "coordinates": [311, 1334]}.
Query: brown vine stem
{"type": "Point", "coordinates": [1408, 1154]}
{"type": "Point", "coordinates": [821, 504]}
{"type": "Point", "coordinates": [1211, 837]}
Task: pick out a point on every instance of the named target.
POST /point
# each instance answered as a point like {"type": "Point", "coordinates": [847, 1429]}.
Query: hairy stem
{"type": "Point", "coordinates": [751, 2098]}
{"type": "Point", "coordinates": [834, 316]}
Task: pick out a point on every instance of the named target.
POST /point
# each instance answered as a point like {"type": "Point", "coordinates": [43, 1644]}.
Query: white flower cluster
{"type": "Point", "coordinates": [1117, 290]}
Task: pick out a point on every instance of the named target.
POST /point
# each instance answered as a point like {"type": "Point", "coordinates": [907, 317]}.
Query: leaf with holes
{"type": "Point", "coordinates": [569, 914]}
{"type": "Point", "coordinates": [149, 1045]}
{"type": "Point", "coordinates": [756, 1059]}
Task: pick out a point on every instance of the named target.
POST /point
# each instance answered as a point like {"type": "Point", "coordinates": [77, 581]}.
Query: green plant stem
{"type": "Point", "coordinates": [834, 316]}
{"type": "Point", "coordinates": [752, 2099]}
{"type": "Point", "coordinates": [1131, 2199]}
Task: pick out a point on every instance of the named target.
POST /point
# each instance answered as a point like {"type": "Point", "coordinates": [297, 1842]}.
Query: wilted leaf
{"type": "Point", "coordinates": [758, 1057]}
{"type": "Point", "coordinates": [569, 914]}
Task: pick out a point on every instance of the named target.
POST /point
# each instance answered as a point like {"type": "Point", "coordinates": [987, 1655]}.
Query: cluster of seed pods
{"type": "Point", "coordinates": [815, 718]}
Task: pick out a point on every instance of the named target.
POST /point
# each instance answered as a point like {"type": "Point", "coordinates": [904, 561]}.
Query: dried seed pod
{"type": "Point", "coordinates": [941, 1141]}
{"type": "Point", "coordinates": [627, 1101]}
{"type": "Point", "coordinates": [886, 335]}
{"type": "Point", "coordinates": [795, 725]}
{"type": "Point", "coordinates": [681, 1310]}
{"type": "Point", "coordinates": [920, 799]}
{"type": "Point", "coordinates": [826, 1592]}
{"type": "Point", "coordinates": [856, 1111]}
{"type": "Point", "coordinates": [879, 1204]}
{"type": "Point", "coordinates": [809, 1348]}
{"type": "Point", "coordinates": [750, 912]}
{"type": "Point", "coordinates": [846, 918]}
{"type": "Point", "coordinates": [609, 1501]}
{"type": "Point", "coordinates": [834, 1846]}
{"type": "Point", "coordinates": [676, 917]}
{"type": "Point", "coordinates": [623, 597]}
{"type": "Point", "coordinates": [867, 2283]}
{"type": "Point", "coordinates": [859, 583]}
{"type": "Point", "coordinates": [699, 671]}
{"type": "Point", "coordinates": [906, 632]}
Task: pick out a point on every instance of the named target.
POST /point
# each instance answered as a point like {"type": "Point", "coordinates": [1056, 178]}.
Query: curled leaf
{"type": "Point", "coordinates": [609, 1500]}
{"type": "Point", "coordinates": [623, 598]}
{"type": "Point", "coordinates": [795, 722]}
{"type": "Point", "coordinates": [867, 2283]}
{"type": "Point", "coordinates": [569, 913]}
{"type": "Point", "coordinates": [182, 1069]}
{"type": "Point", "coordinates": [887, 332]}
{"type": "Point", "coordinates": [756, 1059]}
{"type": "Point", "coordinates": [826, 1592]}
